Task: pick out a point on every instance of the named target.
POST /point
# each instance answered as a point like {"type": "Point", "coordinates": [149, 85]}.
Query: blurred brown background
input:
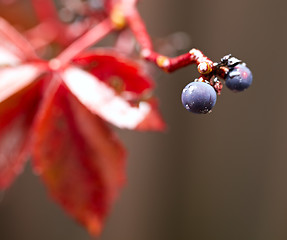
{"type": "Point", "coordinates": [220, 176]}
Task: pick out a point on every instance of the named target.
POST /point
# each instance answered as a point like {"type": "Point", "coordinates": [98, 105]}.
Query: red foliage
{"type": "Point", "coordinates": [80, 160]}
{"type": "Point", "coordinates": [16, 117]}
{"type": "Point", "coordinates": [59, 115]}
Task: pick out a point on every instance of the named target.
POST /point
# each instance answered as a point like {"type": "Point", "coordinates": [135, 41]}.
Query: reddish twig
{"type": "Point", "coordinates": [47, 14]}
{"type": "Point", "coordinates": [45, 10]}
{"type": "Point", "coordinates": [36, 37]}
{"type": "Point", "coordinates": [136, 24]}
{"type": "Point", "coordinates": [138, 27]}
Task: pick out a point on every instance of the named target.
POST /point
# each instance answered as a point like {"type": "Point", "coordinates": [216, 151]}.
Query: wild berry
{"type": "Point", "coordinates": [198, 97]}
{"type": "Point", "coordinates": [238, 78]}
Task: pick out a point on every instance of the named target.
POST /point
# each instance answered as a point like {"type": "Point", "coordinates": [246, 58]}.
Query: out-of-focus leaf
{"type": "Point", "coordinates": [7, 57]}
{"type": "Point", "coordinates": [153, 120]}
{"type": "Point", "coordinates": [79, 159]}
{"type": "Point", "coordinates": [117, 71]}
{"type": "Point", "coordinates": [103, 100]}
{"type": "Point", "coordinates": [15, 42]}
{"type": "Point", "coordinates": [16, 117]}
{"type": "Point", "coordinates": [13, 79]}
{"type": "Point", "coordinates": [129, 82]}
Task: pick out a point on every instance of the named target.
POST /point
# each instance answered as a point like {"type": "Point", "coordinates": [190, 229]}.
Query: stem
{"type": "Point", "coordinates": [47, 13]}
{"type": "Point", "coordinates": [45, 9]}
{"type": "Point", "coordinates": [205, 65]}
{"type": "Point", "coordinates": [86, 40]}
{"type": "Point", "coordinates": [26, 51]}
{"type": "Point", "coordinates": [138, 27]}
{"type": "Point", "coordinates": [37, 39]}
{"type": "Point", "coordinates": [194, 56]}
{"type": "Point", "coordinates": [169, 64]}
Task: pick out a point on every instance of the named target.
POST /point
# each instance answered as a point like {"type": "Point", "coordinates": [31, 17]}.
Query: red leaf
{"type": "Point", "coordinates": [153, 120]}
{"type": "Point", "coordinates": [16, 116]}
{"type": "Point", "coordinates": [7, 57]}
{"type": "Point", "coordinates": [13, 79]}
{"type": "Point", "coordinates": [117, 71]}
{"type": "Point", "coordinates": [129, 84]}
{"type": "Point", "coordinates": [79, 159]}
{"type": "Point", "coordinates": [102, 100]}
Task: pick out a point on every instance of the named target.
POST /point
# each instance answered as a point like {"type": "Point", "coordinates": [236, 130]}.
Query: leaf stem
{"type": "Point", "coordinates": [91, 37]}
{"type": "Point", "coordinates": [47, 13]}
{"type": "Point", "coordinates": [25, 50]}
{"type": "Point", "coordinates": [45, 10]}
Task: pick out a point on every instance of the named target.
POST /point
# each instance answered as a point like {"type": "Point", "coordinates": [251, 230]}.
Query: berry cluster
{"type": "Point", "coordinates": [200, 96]}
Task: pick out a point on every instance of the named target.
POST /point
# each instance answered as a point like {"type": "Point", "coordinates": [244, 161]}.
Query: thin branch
{"type": "Point", "coordinates": [47, 13]}
{"type": "Point", "coordinates": [194, 56]}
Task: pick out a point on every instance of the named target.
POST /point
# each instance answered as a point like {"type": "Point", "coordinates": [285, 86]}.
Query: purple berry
{"type": "Point", "coordinates": [198, 97]}
{"type": "Point", "coordinates": [238, 78]}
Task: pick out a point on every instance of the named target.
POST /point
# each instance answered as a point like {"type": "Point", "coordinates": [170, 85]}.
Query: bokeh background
{"type": "Point", "coordinates": [219, 176]}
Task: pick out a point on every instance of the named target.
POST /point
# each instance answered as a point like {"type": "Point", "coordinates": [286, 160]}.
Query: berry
{"type": "Point", "coordinates": [198, 97]}
{"type": "Point", "coordinates": [238, 78]}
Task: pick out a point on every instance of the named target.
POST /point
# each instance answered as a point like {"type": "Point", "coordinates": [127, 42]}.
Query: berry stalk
{"type": "Point", "coordinates": [136, 24]}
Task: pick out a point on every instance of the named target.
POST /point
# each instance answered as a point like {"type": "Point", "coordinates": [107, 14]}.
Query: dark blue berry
{"type": "Point", "coordinates": [198, 97]}
{"type": "Point", "coordinates": [238, 78]}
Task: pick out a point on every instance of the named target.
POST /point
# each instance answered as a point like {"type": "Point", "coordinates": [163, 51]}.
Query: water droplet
{"type": "Point", "coordinates": [233, 74]}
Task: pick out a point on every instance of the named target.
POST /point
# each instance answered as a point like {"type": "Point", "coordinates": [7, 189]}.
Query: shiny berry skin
{"type": "Point", "coordinates": [198, 97]}
{"type": "Point", "coordinates": [238, 78]}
